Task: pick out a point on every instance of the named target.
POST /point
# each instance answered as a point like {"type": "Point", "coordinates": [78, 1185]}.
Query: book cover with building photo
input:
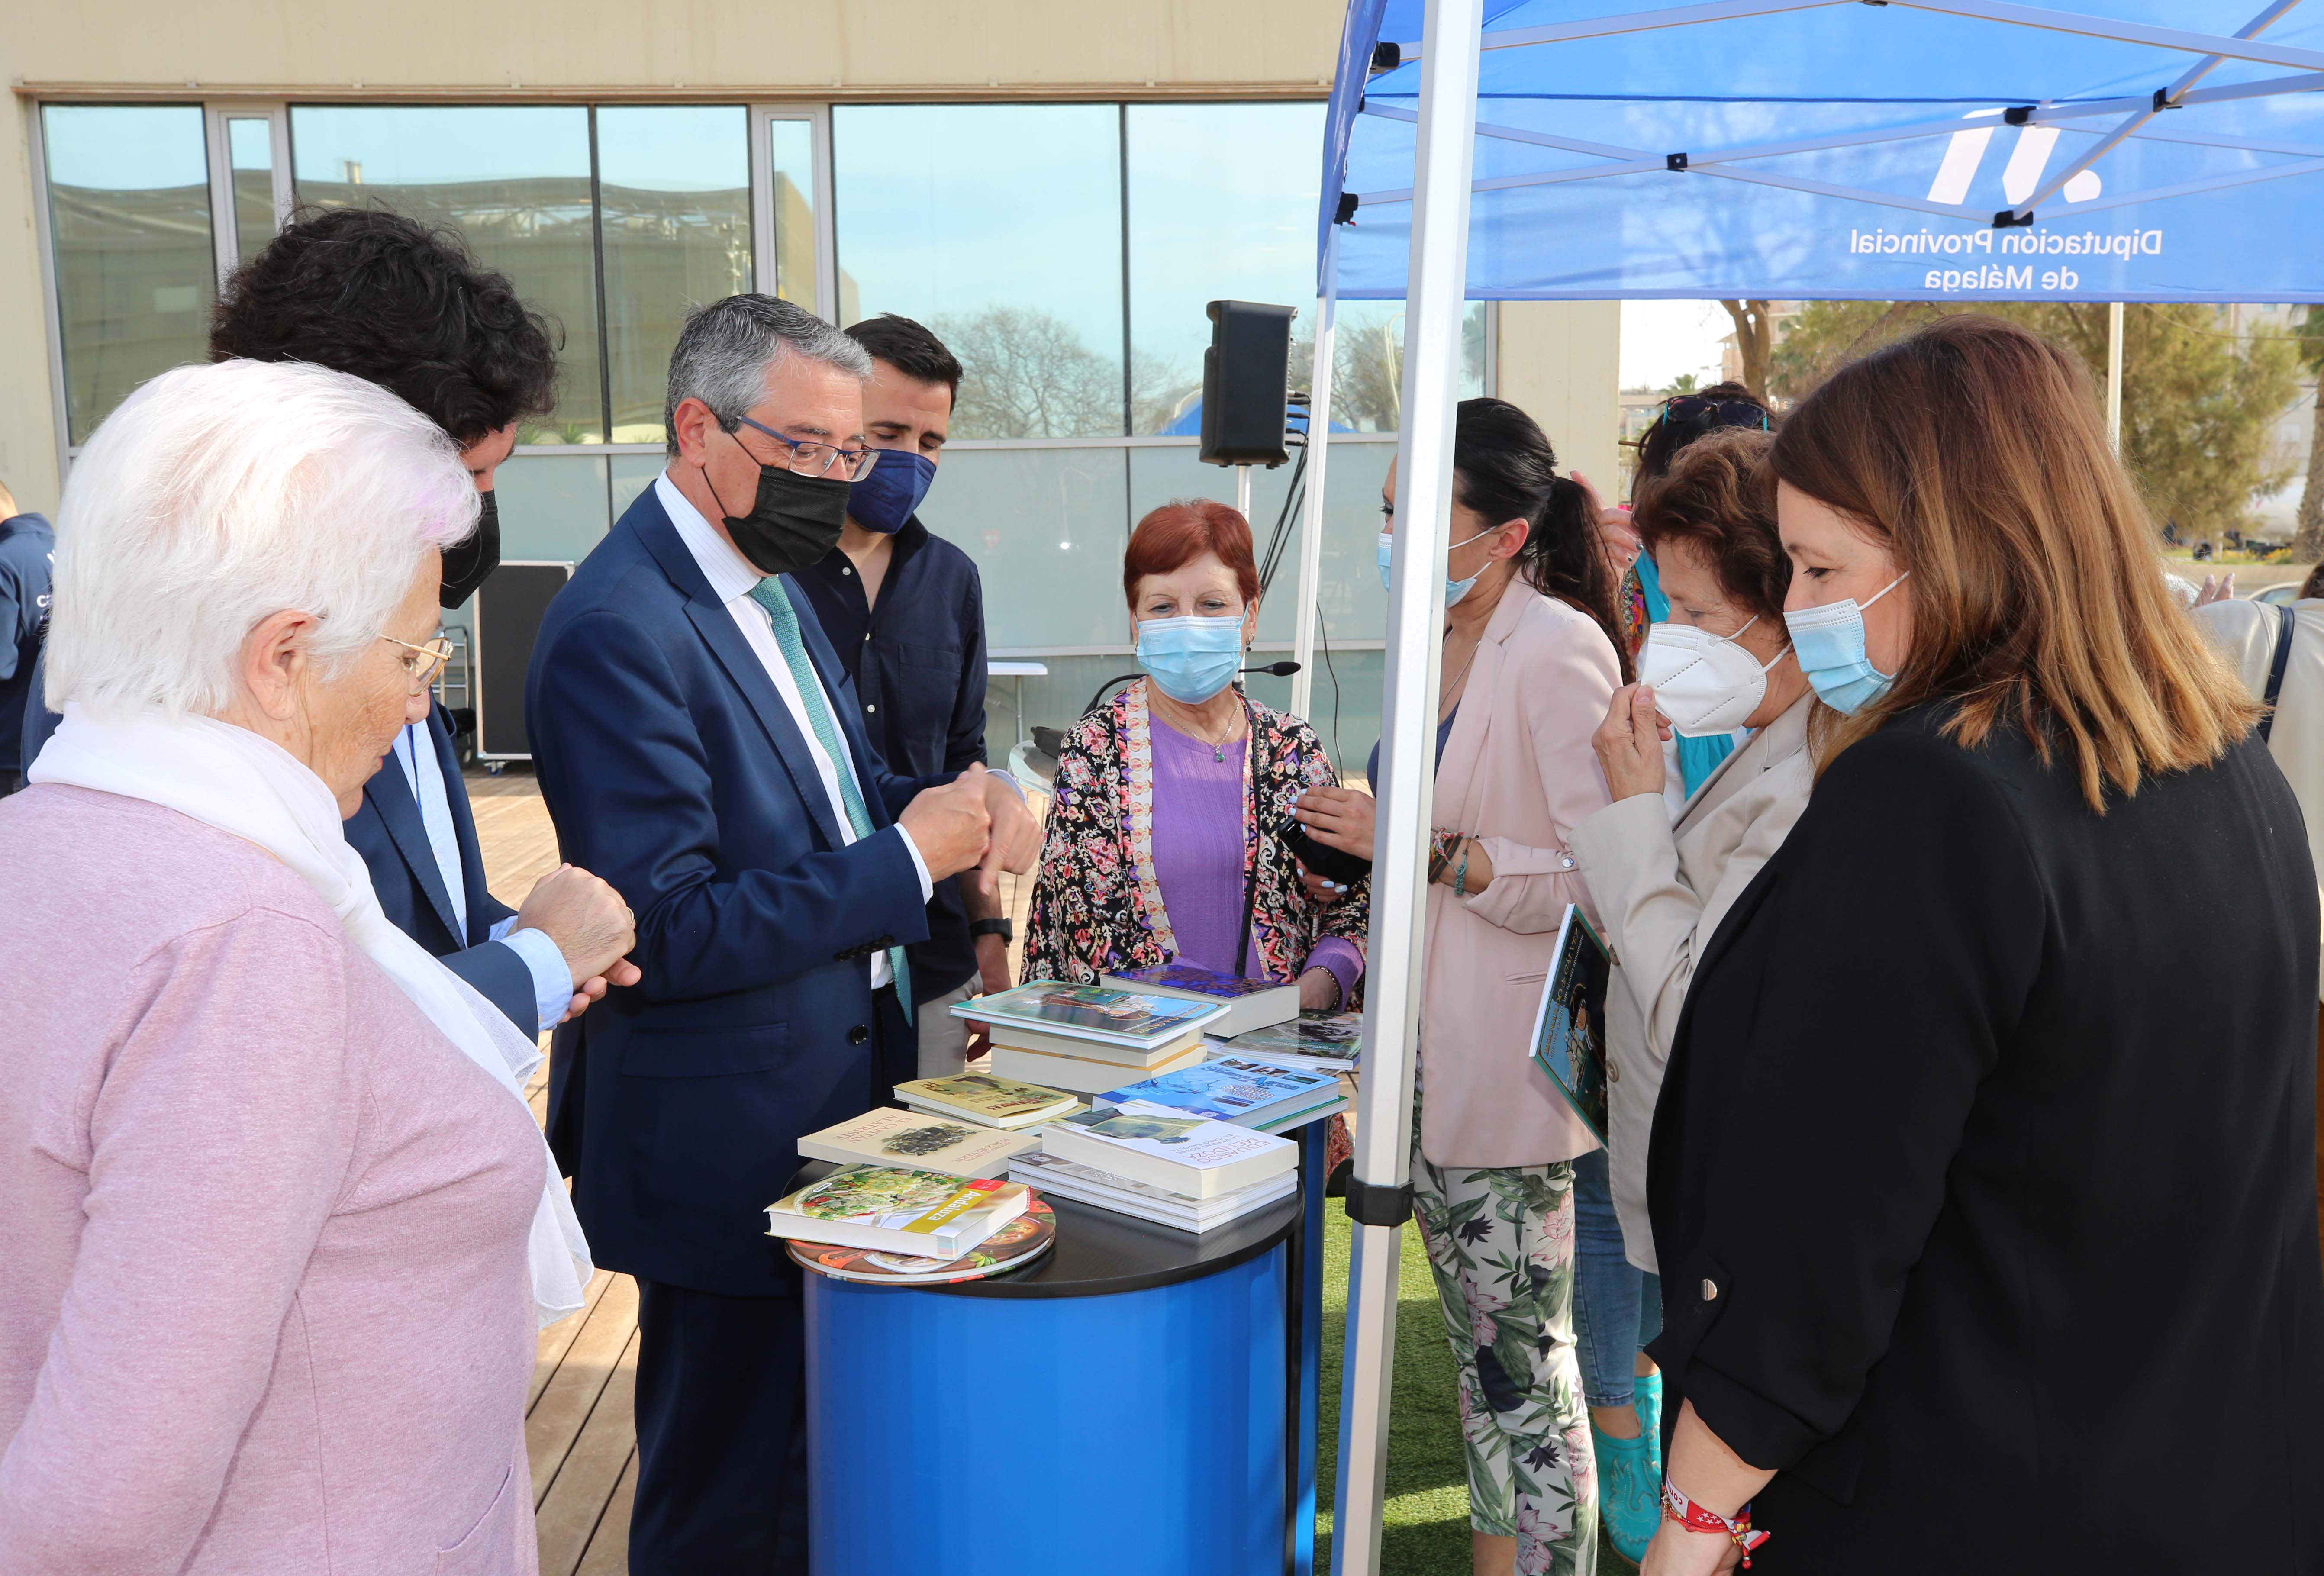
{"type": "Point", "coordinates": [1569, 1030]}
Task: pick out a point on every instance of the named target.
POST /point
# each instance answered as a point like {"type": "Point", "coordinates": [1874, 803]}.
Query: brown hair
{"type": "Point", "coordinates": [1174, 535]}
{"type": "Point", "coordinates": [1973, 452]}
{"type": "Point", "coordinates": [1713, 498]}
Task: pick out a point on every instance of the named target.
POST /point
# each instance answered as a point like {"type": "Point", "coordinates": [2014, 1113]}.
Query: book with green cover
{"type": "Point", "coordinates": [1091, 1012]}
{"type": "Point", "coordinates": [997, 1102]}
{"type": "Point", "coordinates": [1569, 1028]}
{"type": "Point", "coordinates": [896, 1209]}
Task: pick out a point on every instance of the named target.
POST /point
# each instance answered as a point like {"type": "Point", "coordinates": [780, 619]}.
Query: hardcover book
{"type": "Point", "coordinates": [1230, 1090]}
{"type": "Point", "coordinates": [1093, 1013]}
{"type": "Point", "coordinates": [997, 1102]}
{"type": "Point", "coordinates": [896, 1209]}
{"type": "Point", "coordinates": [1082, 1074]}
{"type": "Point", "coordinates": [955, 1146]}
{"type": "Point", "coordinates": [1013, 1246]}
{"type": "Point", "coordinates": [1061, 1178]}
{"type": "Point", "coordinates": [1324, 1041]}
{"type": "Point", "coordinates": [1192, 1156]}
{"type": "Point", "coordinates": [1569, 1028]}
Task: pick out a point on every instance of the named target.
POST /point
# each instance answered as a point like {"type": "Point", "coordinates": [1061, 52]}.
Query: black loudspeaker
{"type": "Point", "coordinates": [1246, 379]}
{"type": "Point", "coordinates": [507, 613]}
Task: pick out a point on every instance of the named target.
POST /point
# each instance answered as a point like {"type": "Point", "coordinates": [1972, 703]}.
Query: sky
{"type": "Point", "coordinates": [1661, 339]}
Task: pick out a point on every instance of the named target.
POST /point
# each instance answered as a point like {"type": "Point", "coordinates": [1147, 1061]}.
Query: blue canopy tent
{"type": "Point", "coordinates": [1933, 150]}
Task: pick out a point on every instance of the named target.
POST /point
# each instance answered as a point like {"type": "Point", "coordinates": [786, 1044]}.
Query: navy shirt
{"type": "Point", "coordinates": [917, 659]}
{"type": "Point", "coordinates": [27, 547]}
{"type": "Point", "coordinates": [1444, 731]}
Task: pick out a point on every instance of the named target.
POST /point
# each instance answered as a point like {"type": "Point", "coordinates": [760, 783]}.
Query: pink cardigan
{"type": "Point", "coordinates": [1519, 774]}
{"type": "Point", "coordinates": [265, 1307]}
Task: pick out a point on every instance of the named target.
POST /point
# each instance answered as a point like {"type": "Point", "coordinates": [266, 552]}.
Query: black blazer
{"type": "Point", "coordinates": [1983, 1174]}
{"type": "Point", "coordinates": [673, 769]}
{"type": "Point", "coordinates": [387, 831]}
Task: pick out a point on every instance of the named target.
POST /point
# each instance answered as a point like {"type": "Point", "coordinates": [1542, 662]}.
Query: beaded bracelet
{"type": "Point", "coordinates": [1693, 1517]}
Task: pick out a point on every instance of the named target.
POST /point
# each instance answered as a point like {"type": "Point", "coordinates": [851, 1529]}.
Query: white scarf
{"type": "Point", "coordinates": [231, 778]}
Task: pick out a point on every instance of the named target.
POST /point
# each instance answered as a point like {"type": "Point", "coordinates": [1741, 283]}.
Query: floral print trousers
{"type": "Point", "coordinates": [1500, 1243]}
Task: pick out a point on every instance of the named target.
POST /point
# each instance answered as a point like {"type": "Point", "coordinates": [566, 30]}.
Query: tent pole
{"type": "Point", "coordinates": [1242, 492]}
{"type": "Point", "coordinates": [1311, 523]}
{"type": "Point", "coordinates": [2114, 377]}
{"type": "Point", "coordinates": [1379, 1193]}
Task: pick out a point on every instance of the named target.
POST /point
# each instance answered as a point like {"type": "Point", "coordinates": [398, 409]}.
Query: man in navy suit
{"type": "Point", "coordinates": [699, 744]}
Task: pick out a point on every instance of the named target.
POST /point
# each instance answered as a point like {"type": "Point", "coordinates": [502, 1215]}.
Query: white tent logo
{"type": "Point", "coordinates": [2020, 178]}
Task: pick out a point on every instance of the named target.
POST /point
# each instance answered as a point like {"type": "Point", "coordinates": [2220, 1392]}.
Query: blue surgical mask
{"type": "Point", "coordinates": [1191, 659]}
{"type": "Point", "coordinates": [1455, 590]}
{"type": "Point", "coordinates": [884, 497]}
{"type": "Point", "coordinates": [1829, 641]}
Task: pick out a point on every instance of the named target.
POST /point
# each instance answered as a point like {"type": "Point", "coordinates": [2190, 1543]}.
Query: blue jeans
{"type": "Point", "coordinates": [1618, 1307]}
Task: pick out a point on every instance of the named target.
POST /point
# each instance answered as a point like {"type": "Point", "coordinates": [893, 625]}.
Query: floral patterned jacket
{"type": "Point", "coordinates": [1097, 906]}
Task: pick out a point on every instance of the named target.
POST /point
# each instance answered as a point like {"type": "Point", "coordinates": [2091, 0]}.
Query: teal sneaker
{"type": "Point", "coordinates": [1629, 1493]}
{"type": "Point", "coordinates": [1647, 1396]}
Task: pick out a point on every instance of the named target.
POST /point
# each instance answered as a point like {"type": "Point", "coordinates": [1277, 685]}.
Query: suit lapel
{"type": "Point", "coordinates": [390, 793]}
{"type": "Point", "coordinates": [463, 830]}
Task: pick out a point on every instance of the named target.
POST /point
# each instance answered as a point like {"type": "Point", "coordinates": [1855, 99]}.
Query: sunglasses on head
{"type": "Point", "coordinates": [1696, 414]}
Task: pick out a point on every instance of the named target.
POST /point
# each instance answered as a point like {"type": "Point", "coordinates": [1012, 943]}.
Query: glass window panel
{"type": "Point", "coordinates": [674, 198]}
{"type": "Point", "coordinates": [1046, 528]}
{"type": "Point", "coordinates": [514, 180]}
{"type": "Point", "coordinates": [250, 153]}
{"type": "Point", "coordinates": [1195, 238]}
{"type": "Point", "coordinates": [633, 474]}
{"type": "Point", "coordinates": [1369, 352]}
{"type": "Point", "coordinates": [999, 226]}
{"type": "Point", "coordinates": [129, 210]}
{"type": "Point", "coordinates": [552, 506]}
{"type": "Point", "coordinates": [791, 157]}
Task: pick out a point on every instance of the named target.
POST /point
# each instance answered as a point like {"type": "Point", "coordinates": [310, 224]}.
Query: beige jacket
{"type": "Point", "coordinates": [1519, 775]}
{"type": "Point", "coordinates": [2245, 633]}
{"type": "Point", "coordinates": [1663, 889]}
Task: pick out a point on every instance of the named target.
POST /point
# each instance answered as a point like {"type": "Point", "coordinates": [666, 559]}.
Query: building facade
{"type": "Point", "coordinates": [1058, 190]}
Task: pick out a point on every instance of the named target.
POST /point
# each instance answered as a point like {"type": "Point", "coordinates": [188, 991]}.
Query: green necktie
{"type": "Point", "coordinates": [769, 594]}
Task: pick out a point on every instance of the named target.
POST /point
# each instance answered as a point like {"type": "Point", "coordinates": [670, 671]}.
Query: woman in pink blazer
{"type": "Point", "coordinates": [1532, 656]}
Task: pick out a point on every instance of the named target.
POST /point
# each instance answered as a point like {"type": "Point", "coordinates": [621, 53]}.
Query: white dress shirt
{"type": "Point", "coordinates": [423, 773]}
{"type": "Point", "coordinates": [731, 577]}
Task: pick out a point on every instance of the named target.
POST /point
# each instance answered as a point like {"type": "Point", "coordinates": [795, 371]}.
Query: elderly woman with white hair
{"type": "Point", "coordinates": [280, 1227]}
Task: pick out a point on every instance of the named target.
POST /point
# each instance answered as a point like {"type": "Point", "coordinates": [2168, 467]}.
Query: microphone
{"type": "Point", "coordinates": [1275, 670]}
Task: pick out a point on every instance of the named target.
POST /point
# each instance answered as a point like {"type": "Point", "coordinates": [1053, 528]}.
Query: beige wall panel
{"type": "Point", "coordinates": [1561, 363]}
{"type": "Point", "coordinates": [704, 44]}
{"type": "Point", "coordinates": [28, 422]}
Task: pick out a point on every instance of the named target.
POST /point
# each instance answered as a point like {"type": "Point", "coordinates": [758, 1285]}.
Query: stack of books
{"type": "Point", "coordinates": [1250, 1004]}
{"type": "Point", "coordinates": [1086, 1038]}
{"type": "Point", "coordinates": [1249, 1094]}
{"type": "Point", "coordinates": [1157, 1164]}
{"type": "Point", "coordinates": [1316, 1042]}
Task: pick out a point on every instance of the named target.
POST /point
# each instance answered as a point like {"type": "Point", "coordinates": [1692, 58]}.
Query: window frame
{"type": "Point", "coordinates": [226, 238]}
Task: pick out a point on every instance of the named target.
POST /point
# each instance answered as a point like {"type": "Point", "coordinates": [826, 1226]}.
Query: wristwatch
{"type": "Point", "coordinates": [999, 927]}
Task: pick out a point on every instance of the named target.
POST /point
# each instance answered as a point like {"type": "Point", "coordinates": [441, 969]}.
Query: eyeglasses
{"type": "Point", "coordinates": [1699, 413]}
{"type": "Point", "coordinates": [423, 663]}
{"type": "Point", "coordinates": [818, 459]}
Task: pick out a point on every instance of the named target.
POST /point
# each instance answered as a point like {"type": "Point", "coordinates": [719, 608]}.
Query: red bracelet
{"type": "Point", "coordinates": [1693, 1517]}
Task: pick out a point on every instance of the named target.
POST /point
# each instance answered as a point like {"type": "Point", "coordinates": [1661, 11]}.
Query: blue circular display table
{"type": "Point", "coordinates": [1128, 1403]}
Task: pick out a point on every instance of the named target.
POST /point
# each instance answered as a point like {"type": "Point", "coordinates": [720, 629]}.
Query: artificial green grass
{"type": "Point", "coordinates": [1426, 1528]}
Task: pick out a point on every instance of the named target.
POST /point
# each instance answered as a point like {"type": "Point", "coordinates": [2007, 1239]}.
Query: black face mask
{"type": "Point", "coordinates": [468, 564]}
{"type": "Point", "coordinates": [793, 521]}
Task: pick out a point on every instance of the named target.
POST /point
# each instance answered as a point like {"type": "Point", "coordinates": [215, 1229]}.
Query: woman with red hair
{"type": "Point", "coordinates": [1161, 844]}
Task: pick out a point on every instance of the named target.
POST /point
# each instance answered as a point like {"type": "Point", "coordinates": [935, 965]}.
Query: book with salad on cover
{"type": "Point", "coordinates": [1013, 1246]}
{"type": "Point", "coordinates": [996, 1102]}
{"type": "Point", "coordinates": [1077, 1019]}
{"type": "Point", "coordinates": [1569, 1028]}
{"type": "Point", "coordinates": [1192, 1156]}
{"type": "Point", "coordinates": [898, 1208]}
{"type": "Point", "coordinates": [1324, 1042]}
{"type": "Point", "coordinates": [1249, 1003]}
{"type": "Point", "coordinates": [887, 1137]}
{"type": "Point", "coordinates": [1248, 1094]}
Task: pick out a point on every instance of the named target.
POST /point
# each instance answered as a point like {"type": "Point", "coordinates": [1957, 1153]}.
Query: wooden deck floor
{"type": "Point", "coordinates": [579, 1429]}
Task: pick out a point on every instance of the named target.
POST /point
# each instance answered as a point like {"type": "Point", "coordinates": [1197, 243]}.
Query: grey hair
{"type": "Point", "coordinates": [726, 349]}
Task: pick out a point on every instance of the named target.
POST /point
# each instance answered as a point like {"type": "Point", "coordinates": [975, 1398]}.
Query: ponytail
{"type": "Point", "coordinates": [1566, 557]}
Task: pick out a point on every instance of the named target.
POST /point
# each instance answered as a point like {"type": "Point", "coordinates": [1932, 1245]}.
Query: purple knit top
{"type": "Point", "coordinates": [1198, 857]}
